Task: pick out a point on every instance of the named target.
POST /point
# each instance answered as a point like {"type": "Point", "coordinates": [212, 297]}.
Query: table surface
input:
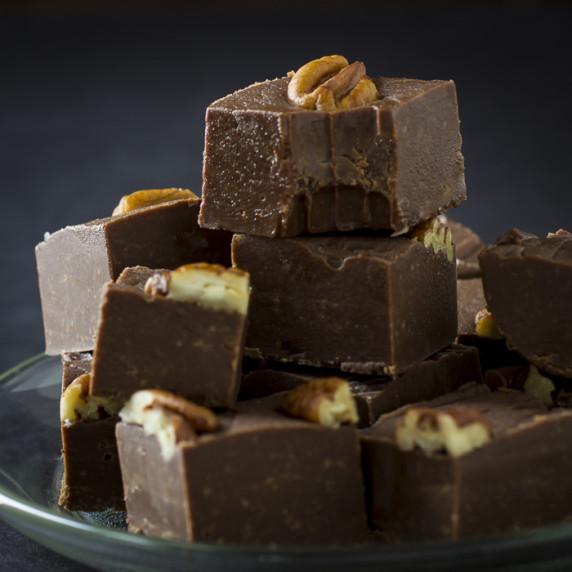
{"type": "Point", "coordinates": [95, 105]}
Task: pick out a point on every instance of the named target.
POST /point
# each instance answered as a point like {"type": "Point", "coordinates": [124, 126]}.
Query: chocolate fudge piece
{"type": "Point", "coordinates": [274, 169]}
{"type": "Point", "coordinates": [183, 333]}
{"type": "Point", "coordinates": [467, 464]}
{"type": "Point", "coordinates": [467, 247]}
{"type": "Point", "coordinates": [365, 304]}
{"type": "Point", "coordinates": [92, 476]}
{"type": "Point", "coordinates": [75, 262]}
{"type": "Point", "coordinates": [441, 373]}
{"type": "Point", "coordinates": [260, 478]}
{"type": "Point", "coordinates": [528, 287]}
{"type": "Point", "coordinates": [75, 364]}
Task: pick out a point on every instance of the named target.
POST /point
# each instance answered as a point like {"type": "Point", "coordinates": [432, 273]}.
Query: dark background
{"type": "Point", "coordinates": [108, 98]}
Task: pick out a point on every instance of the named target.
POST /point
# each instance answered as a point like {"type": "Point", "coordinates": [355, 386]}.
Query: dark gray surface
{"type": "Point", "coordinates": [95, 106]}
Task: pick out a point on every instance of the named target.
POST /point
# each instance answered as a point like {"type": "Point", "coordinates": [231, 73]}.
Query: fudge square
{"type": "Point", "coordinates": [527, 283]}
{"type": "Point", "coordinates": [252, 476]}
{"type": "Point", "coordinates": [470, 463]}
{"type": "Point", "coordinates": [275, 169]}
{"type": "Point", "coordinates": [364, 304]}
{"type": "Point", "coordinates": [180, 330]}
{"type": "Point", "coordinates": [156, 228]}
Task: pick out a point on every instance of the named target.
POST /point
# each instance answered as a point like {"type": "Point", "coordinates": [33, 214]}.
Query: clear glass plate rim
{"type": "Point", "coordinates": [17, 505]}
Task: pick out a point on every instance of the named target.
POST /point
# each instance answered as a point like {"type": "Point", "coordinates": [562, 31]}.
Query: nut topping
{"type": "Point", "coordinates": [485, 326]}
{"type": "Point", "coordinates": [209, 285]}
{"type": "Point", "coordinates": [454, 431]}
{"type": "Point", "coordinates": [327, 401]}
{"type": "Point", "coordinates": [76, 402]}
{"type": "Point", "coordinates": [149, 197]}
{"type": "Point", "coordinates": [158, 284]}
{"type": "Point", "coordinates": [202, 419]}
{"type": "Point", "coordinates": [559, 233]}
{"type": "Point", "coordinates": [172, 419]}
{"type": "Point", "coordinates": [330, 83]}
{"type": "Point", "coordinates": [536, 385]}
{"type": "Point", "coordinates": [435, 235]}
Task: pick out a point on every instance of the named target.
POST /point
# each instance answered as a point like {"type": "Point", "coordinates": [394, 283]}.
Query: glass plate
{"type": "Point", "coordinates": [30, 471]}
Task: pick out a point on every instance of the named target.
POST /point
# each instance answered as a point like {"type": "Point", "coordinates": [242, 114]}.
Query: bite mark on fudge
{"type": "Point", "coordinates": [331, 83]}
{"type": "Point", "coordinates": [274, 169]}
{"type": "Point", "coordinates": [327, 401]}
{"type": "Point", "coordinates": [172, 419]}
{"type": "Point", "coordinates": [77, 403]}
{"type": "Point", "coordinates": [150, 197]}
{"type": "Point", "coordinates": [209, 285]}
{"type": "Point", "coordinates": [454, 431]}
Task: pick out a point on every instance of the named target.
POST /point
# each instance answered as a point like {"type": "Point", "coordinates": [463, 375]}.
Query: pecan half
{"type": "Point", "coordinates": [158, 284]}
{"type": "Point", "coordinates": [559, 233]}
{"type": "Point", "coordinates": [200, 418]}
{"type": "Point", "coordinates": [434, 234]}
{"type": "Point", "coordinates": [170, 418]}
{"type": "Point", "coordinates": [149, 197]}
{"type": "Point", "coordinates": [76, 402]}
{"type": "Point", "coordinates": [327, 401]}
{"type": "Point", "coordinates": [454, 431]}
{"type": "Point", "coordinates": [209, 285]}
{"type": "Point", "coordinates": [330, 83]}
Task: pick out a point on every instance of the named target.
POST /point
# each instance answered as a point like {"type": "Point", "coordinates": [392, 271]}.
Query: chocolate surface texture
{"type": "Point", "coordinates": [146, 341]}
{"type": "Point", "coordinates": [263, 478]}
{"type": "Point", "coordinates": [441, 373]}
{"type": "Point", "coordinates": [276, 170]}
{"type": "Point", "coordinates": [92, 476]}
{"type": "Point", "coordinates": [75, 262]}
{"type": "Point", "coordinates": [517, 480]}
{"type": "Point", "coordinates": [363, 304]}
{"type": "Point", "coordinates": [528, 287]}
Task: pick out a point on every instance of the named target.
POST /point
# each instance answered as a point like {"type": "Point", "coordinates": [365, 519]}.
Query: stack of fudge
{"type": "Point", "coordinates": [313, 353]}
